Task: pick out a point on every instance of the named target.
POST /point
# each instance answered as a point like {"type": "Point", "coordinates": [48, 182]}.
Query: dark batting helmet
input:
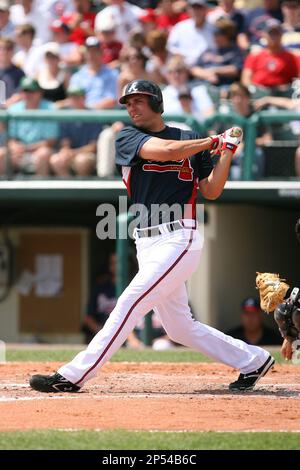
{"type": "Point", "coordinates": [145, 87]}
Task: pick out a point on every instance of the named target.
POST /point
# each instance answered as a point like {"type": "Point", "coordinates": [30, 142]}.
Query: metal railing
{"type": "Point", "coordinates": [250, 125]}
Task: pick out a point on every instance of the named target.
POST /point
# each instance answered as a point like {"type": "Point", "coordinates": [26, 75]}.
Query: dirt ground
{"type": "Point", "coordinates": [152, 396]}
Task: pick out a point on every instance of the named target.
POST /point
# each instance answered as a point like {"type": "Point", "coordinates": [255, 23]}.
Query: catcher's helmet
{"type": "Point", "coordinates": [145, 87]}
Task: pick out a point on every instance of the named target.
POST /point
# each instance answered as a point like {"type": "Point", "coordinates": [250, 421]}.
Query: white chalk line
{"type": "Point", "coordinates": [124, 396]}
{"type": "Point", "coordinates": [182, 431]}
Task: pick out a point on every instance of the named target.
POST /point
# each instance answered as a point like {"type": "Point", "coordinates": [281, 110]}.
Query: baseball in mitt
{"type": "Point", "coordinates": [272, 290]}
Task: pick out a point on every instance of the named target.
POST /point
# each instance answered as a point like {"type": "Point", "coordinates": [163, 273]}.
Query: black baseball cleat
{"type": "Point", "coordinates": [247, 381]}
{"type": "Point", "coordinates": [52, 384]}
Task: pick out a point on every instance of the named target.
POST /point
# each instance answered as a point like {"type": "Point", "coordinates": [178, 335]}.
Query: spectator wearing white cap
{"type": "Point", "coordinates": [99, 82]}
{"type": "Point", "coordinates": [125, 16]}
{"type": "Point", "coordinates": [190, 38]}
{"type": "Point", "coordinates": [6, 25]}
{"type": "Point", "coordinates": [53, 78]}
{"type": "Point", "coordinates": [110, 46]}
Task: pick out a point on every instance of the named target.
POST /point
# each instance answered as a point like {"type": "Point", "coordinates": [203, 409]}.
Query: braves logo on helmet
{"type": "Point", "coordinates": [144, 87]}
{"type": "Point", "coordinates": [133, 88]}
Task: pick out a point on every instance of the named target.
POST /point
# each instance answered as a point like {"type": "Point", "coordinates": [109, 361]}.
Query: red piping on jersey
{"type": "Point", "coordinates": [184, 169]}
{"type": "Point", "coordinates": [133, 307]}
{"type": "Point", "coordinates": [127, 183]}
{"type": "Point", "coordinates": [191, 201]}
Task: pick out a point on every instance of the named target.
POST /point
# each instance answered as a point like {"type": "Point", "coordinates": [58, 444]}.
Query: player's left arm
{"type": "Point", "coordinates": [212, 186]}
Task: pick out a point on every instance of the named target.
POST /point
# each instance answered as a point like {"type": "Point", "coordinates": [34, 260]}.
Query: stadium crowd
{"type": "Point", "coordinates": [79, 54]}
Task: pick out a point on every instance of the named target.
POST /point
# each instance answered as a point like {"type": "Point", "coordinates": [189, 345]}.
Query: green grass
{"type": "Point", "coordinates": [120, 439]}
{"type": "Point", "coordinates": [127, 355]}
{"type": "Point", "coordinates": [123, 355]}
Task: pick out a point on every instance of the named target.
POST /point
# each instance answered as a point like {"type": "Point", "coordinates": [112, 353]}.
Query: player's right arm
{"type": "Point", "coordinates": [133, 144]}
{"type": "Point", "coordinates": [165, 150]}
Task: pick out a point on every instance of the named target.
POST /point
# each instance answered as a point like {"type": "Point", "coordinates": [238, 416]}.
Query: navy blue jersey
{"type": "Point", "coordinates": [153, 183]}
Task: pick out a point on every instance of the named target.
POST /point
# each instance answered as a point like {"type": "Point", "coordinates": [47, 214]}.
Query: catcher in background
{"type": "Point", "coordinates": [278, 297]}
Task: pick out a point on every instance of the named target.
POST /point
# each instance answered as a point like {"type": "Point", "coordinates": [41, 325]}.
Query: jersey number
{"type": "Point", "coordinates": [184, 169]}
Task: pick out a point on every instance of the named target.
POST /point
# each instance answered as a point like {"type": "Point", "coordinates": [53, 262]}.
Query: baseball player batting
{"type": "Point", "coordinates": [164, 165]}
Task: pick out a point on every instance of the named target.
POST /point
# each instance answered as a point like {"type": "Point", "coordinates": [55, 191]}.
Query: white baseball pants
{"type": "Point", "coordinates": [165, 262]}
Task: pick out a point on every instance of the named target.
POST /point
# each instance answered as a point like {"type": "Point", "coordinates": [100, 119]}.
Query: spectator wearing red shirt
{"type": "Point", "coordinates": [110, 47]}
{"type": "Point", "coordinates": [81, 21]}
{"type": "Point", "coordinates": [167, 16]}
{"type": "Point", "coordinates": [273, 66]}
{"type": "Point", "coordinates": [148, 21]}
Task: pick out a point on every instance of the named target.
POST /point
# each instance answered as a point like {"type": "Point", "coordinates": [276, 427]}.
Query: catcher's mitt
{"type": "Point", "coordinates": [272, 290]}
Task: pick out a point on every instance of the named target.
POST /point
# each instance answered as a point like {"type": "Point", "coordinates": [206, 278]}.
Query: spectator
{"type": "Point", "coordinates": [30, 141]}
{"type": "Point", "coordinates": [10, 74]}
{"type": "Point", "coordinates": [179, 97]}
{"type": "Point", "coordinates": [274, 66]}
{"type": "Point", "coordinates": [58, 8]}
{"type": "Point", "coordinates": [109, 45]}
{"type": "Point", "coordinates": [53, 78]}
{"type": "Point", "coordinates": [239, 99]}
{"type": "Point", "coordinates": [133, 67]}
{"type": "Point", "coordinates": [69, 51]}
{"type": "Point", "coordinates": [246, 5]}
{"type": "Point", "coordinates": [156, 40]}
{"type": "Point", "coordinates": [102, 302]}
{"type": "Point", "coordinates": [291, 25]}
{"type": "Point", "coordinates": [32, 12]}
{"type": "Point", "coordinates": [81, 21]}
{"type": "Point", "coordinates": [147, 21]}
{"type": "Point", "coordinates": [190, 38]}
{"type": "Point", "coordinates": [221, 66]}
{"type": "Point", "coordinates": [256, 19]}
{"type": "Point", "coordinates": [123, 14]}
{"type": "Point", "coordinates": [28, 55]}
{"type": "Point", "coordinates": [99, 82]}
{"type": "Point", "coordinates": [7, 29]}
{"type": "Point", "coordinates": [137, 39]}
{"type": "Point", "coordinates": [252, 329]}
{"type": "Point", "coordinates": [77, 147]}
{"type": "Point", "coordinates": [285, 103]}
{"type": "Point", "coordinates": [168, 15]}
{"type": "Point", "coordinates": [227, 10]}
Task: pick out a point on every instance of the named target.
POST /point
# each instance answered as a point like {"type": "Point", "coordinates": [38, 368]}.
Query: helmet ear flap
{"type": "Point", "coordinates": [155, 105]}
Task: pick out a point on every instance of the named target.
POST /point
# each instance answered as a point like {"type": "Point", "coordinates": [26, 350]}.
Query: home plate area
{"type": "Point", "coordinates": [152, 396]}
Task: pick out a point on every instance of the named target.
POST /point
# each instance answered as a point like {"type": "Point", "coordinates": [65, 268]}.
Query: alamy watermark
{"type": "Point", "coordinates": [140, 216]}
